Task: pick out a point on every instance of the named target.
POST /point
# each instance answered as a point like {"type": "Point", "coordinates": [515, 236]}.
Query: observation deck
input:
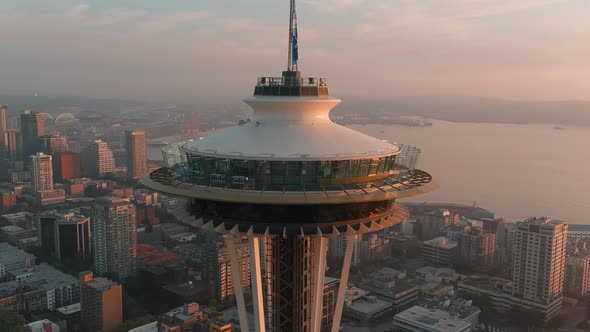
{"type": "Point", "coordinates": [171, 181]}
{"type": "Point", "coordinates": [291, 86]}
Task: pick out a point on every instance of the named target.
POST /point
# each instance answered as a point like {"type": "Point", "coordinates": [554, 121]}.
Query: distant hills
{"type": "Point", "coordinates": [55, 103]}
{"type": "Point", "coordinates": [447, 108]}
{"type": "Point", "coordinates": [474, 109]}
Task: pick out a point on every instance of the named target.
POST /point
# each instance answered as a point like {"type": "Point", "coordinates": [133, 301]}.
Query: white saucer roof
{"type": "Point", "coordinates": [291, 128]}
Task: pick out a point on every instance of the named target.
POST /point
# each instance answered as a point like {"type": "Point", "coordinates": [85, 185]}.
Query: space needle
{"type": "Point", "coordinates": [289, 179]}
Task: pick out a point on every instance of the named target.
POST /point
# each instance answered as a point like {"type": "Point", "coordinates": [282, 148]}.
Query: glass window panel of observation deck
{"type": "Point", "coordinates": [325, 169]}
{"type": "Point", "coordinates": [208, 165]}
{"type": "Point", "coordinates": [382, 168]}
{"type": "Point", "coordinates": [278, 171]}
{"type": "Point", "coordinates": [364, 166]}
{"type": "Point", "coordinates": [354, 168]}
{"type": "Point", "coordinates": [309, 173]}
{"type": "Point", "coordinates": [373, 169]}
{"type": "Point", "coordinates": [241, 167]}
{"type": "Point", "coordinates": [262, 172]}
{"type": "Point", "coordinates": [272, 175]}
{"type": "Point", "coordinates": [222, 166]}
{"type": "Point", "coordinates": [293, 173]}
{"type": "Point", "coordinates": [339, 169]}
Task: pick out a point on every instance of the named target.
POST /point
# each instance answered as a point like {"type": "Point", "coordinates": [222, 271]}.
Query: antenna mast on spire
{"type": "Point", "coordinates": [293, 44]}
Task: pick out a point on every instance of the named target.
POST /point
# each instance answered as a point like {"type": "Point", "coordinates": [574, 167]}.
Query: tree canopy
{"type": "Point", "coordinates": [11, 321]}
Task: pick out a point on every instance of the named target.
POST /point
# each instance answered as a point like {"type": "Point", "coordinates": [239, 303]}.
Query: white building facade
{"type": "Point", "coordinates": [42, 172]}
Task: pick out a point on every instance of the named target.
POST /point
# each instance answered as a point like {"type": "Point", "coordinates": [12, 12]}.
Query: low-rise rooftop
{"type": "Point", "coordinates": [369, 305]}
{"type": "Point", "coordinates": [65, 217]}
{"type": "Point", "coordinates": [438, 274]}
{"type": "Point", "coordinates": [15, 217]}
{"type": "Point", "coordinates": [354, 293]}
{"type": "Point", "coordinates": [392, 288]}
{"type": "Point", "coordinates": [151, 327]}
{"type": "Point", "coordinates": [186, 312]}
{"type": "Point", "coordinates": [441, 242]}
{"type": "Point", "coordinates": [434, 320]}
{"type": "Point", "coordinates": [489, 284]}
{"type": "Point", "coordinates": [70, 309]}
{"type": "Point", "coordinates": [45, 276]}
{"type": "Point", "coordinates": [40, 326]}
{"type": "Point", "coordinates": [12, 229]}
{"type": "Point", "coordinates": [456, 306]}
{"type": "Point", "coordinates": [101, 284]}
{"type": "Point", "coordinates": [12, 255]}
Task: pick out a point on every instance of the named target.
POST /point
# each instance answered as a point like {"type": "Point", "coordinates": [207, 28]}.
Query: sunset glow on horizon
{"type": "Point", "coordinates": [526, 49]}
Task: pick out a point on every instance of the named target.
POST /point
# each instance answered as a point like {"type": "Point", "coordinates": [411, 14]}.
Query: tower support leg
{"type": "Point", "coordinates": [319, 255]}
{"type": "Point", "coordinates": [236, 278]}
{"type": "Point", "coordinates": [256, 275]}
{"type": "Point", "coordinates": [343, 283]}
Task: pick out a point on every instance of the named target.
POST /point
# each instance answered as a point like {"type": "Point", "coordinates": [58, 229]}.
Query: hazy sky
{"type": "Point", "coordinates": [522, 49]}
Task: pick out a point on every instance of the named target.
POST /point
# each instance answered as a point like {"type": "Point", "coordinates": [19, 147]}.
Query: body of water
{"type": "Point", "coordinates": [517, 171]}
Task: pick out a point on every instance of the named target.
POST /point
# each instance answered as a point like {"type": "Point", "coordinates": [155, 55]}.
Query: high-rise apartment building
{"type": "Point", "coordinates": [65, 234]}
{"type": "Point", "coordinates": [218, 266]}
{"type": "Point", "coordinates": [97, 159]}
{"type": "Point", "coordinates": [539, 263]}
{"type": "Point", "coordinates": [374, 248]}
{"type": "Point", "coordinates": [31, 128]}
{"type": "Point", "coordinates": [114, 237]}
{"type": "Point", "coordinates": [476, 248]}
{"type": "Point", "coordinates": [9, 145]}
{"type": "Point", "coordinates": [439, 251]}
{"type": "Point", "coordinates": [42, 172]}
{"type": "Point", "coordinates": [101, 303]}
{"type": "Point", "coordinates": [7, 199]}
{"type": "Point", "coordinates": [490, 225]}
{"type": "Point", "coordinates": [577, 274]}
{"type": "Point", "coordinates": [329, 302]}
{"type": "Point", "coordinates": [135, 143]}
{"type": "Point", "coordinates": [505, 239]}
{"type": "Point", "coordinates": [3, 118]}
{"type": "Point", "coordinates": [434, 223]}
{"type": "Point", "coordinates": [52, 143]}
{"type": "Point", "coordinates": [66, 166]}
{"type": "Point", "coordinates": [337, 248]}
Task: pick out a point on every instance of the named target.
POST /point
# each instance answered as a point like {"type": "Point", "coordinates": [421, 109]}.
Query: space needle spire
{"type": "Point", "coordinates": [293, 39]}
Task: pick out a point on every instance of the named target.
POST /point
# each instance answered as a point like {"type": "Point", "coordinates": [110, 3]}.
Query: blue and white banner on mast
{"type": "Point", "coordinates": [295, 51]}
{"type": "Point", "coordinates": [293, 38]}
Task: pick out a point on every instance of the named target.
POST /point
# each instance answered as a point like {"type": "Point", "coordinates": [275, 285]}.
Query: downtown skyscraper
{"type": "Point", "coordinates": [101, 303]}
{"type": "Point", "coordinates": [31, 128]}
{"type": "Point", "coordinates": [114, 237]}
{"type": "Point", "coordinates": [41, 172]}
{"type": "Point", "coordinates": [52, 143]}
{"type": "Point", "coordinates": [135, 143]}
{"type": "Point", "coordinates": [97, 159]}
{"type": "Point", "coordinates": [3, 118]}
{"type": "Point", "coordinates": [539, 264]}
{"type": "Point", "coordinates": [10, 145]}
{"type": "Point", "coordinates": [66, 166]}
